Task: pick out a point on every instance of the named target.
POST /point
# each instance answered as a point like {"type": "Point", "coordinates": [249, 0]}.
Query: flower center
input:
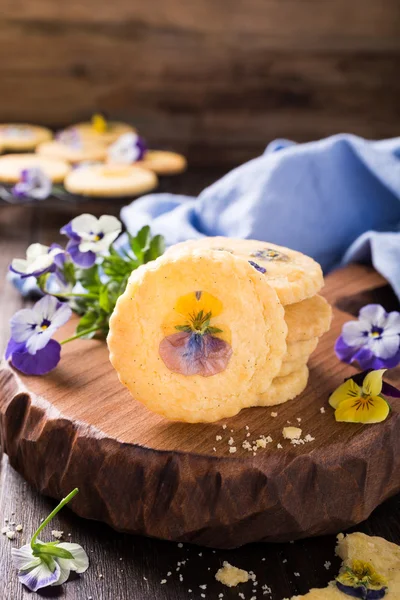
{"type": "Point", "coordinates": [364, 402]}
{"type": "Point", "coordinates": [376, 332]}
{"type": "Point", "coordinates": [45, 324]}
{"type": "Point", "coordinates": [97, 236]}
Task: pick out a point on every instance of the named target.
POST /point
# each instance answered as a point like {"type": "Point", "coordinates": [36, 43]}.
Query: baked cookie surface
{"type": "Point", "coordinates": [285, 388]}
{"type": "Point", "coordinates": [293, 275]}
{"type": "Point", "coordinates": [21, 137]}
{"type": "Point", "coordinates": [111, 181]}
{"type": "Point", "coordinates": [308, 319]}
{"type": "Point", "coordinates": [11, 166]}
{"type": "Point", "coordinates": [300, 350]}
{"type": "Point", "coordinates": [107, 132]}
{"type": "Point", "coordinates": [198, 336]}
{"type": "Point", "coordinates": [74, 154]}
{"type": "Point", "coordinates": [163, 162]}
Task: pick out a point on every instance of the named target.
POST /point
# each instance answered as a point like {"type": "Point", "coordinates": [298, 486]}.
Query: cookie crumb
{"type": "Point", "coordinates": [10, 535]}
{"type": "Point", "coordinates": [231, 576]}
{"type": "Point", "coordinates": [291, 433]}
{"type": "Point", "coordinates": [274, 414]}
{"type": "Point", "coordinates": [232, 449]}
{"type": "Point", "coordinates": [57, 534]}
{"type": "Point", "coordinates": [327, 564]}
{"type": "Point", "coordinates": [218, 438]}
{"type": "Point", "coordinates": [18, 528]}
{"type": "Point", "coordinates": [322, 410]}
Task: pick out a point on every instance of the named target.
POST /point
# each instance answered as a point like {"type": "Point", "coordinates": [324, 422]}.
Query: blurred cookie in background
{"type": "Point", "coordinates": [21, 137]}
{"type": "Point", "coordinates": [12, 165]}
{"type": "Point", "coordinates": [110, 181]}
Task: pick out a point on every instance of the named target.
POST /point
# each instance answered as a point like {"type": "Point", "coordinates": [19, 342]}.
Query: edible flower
{"type": "Point", "coordinates": [43, 564]}
{"type": "Point", "coordinates": [195, 348]}
{"type": "Point", "coordinates": [362, 581]}
{"type": "Point", "coordinates": [39, 260]}
{"type": "Point", "coordinates": [270, 254]}
{"type": "Point", "coordinates": [30, 348]}
{"type": "Point", "coordinates": [90, 236]}
{"type": "Point", "coordinates": [373, 340]}
{"type": "Point", "coordinates": [257, 267]}
{"type": "Point", "coordinates": [33, 183]}
{"type": "Point", "coordinates": [70, 137]}
{"type": "Point", "coordinates": [99, 123]}
{"type": "Point", "coordinates": [354, 403]}
{"type": "Point", "coordinates": [128, 148]}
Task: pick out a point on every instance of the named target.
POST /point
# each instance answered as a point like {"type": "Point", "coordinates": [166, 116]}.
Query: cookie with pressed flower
{"type": "Point", "coordinates": [285, 388]}
{"type": "Point", "coordinates": [110, 181]}
{"type": "Point", "coordinates": [11, 166]}
{"type": "Point", "coordinates": [370, 569]}
{"type": "Point", "coordinates": [308, 319]}
{"type": "Point", "coordinates": [300, 350]}
{"type": "Point", "coordinates": [101, 130]}
{"type": "Point", "coordinates": [293, 275]}
{"type": "Point", "coordinates": [163, 162]}
{"type": "Point", "coordinates": [197, 336]}
{"type": "Point", "coordinates": [21, 137]}
{"type": "Point", "coordinates": [74, 153]}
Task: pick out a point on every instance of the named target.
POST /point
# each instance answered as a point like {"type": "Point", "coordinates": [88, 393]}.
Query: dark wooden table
{"type": "Point", "coordinates": [132, 568]}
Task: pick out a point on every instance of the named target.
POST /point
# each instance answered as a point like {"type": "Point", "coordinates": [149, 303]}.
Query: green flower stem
{"type": "Point", "coordinates": [51, 516]}
{"type": "Point", "coordinates": [80, 334]}
{"type": "Point", "coordinates": [93, 296]}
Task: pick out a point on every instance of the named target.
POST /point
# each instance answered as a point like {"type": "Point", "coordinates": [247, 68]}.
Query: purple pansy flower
{"type": "Point", "coordinates": [70, 137]}
{"type": "Point", "coordinates": [128, 149]}
{"type": "Point", "coordinates": [34, 183]}
{"type": "Point", "coordinates": [90, 236]}
{"type": "Point", "coordinates": [31, 349]}
{"type": "Point", "coordinates": [373, 341]}
{"type": "Point", "coordinates": [194, 354]}
{"type": "Point", "coordinates": [39, 260]}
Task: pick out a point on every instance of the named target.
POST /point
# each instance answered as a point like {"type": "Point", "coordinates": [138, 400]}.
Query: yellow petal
{"type": "Point", "coordinates": [99, 123]}
{"type": "Point", "coordinates": [372, 384]}
{"type": "Point", "coordinates": [373, 409]}
{"type": "Point", "coordinates": [193, 303]}
{"type": "Point", "coordinates": [348, 389]}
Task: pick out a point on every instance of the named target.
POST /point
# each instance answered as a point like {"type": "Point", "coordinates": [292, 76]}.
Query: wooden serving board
{"type": "Point", "coordinates": [78, 426]}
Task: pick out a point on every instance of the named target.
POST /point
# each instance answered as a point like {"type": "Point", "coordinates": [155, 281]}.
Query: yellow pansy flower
{"type": "Point", "coordinates": [361, 580]}
{"type": "Point", "coordinates": [361, 404]}
{"type": "Point", "coordinates": [99, 124]}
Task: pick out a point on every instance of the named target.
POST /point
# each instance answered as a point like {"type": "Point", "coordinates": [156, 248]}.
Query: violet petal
{"type": "Point", "coordinates": [82, 259]}
{"type": "Point", "coordinates": [42, 362]}
{"type": "Point", "coordinates": [194, 354]}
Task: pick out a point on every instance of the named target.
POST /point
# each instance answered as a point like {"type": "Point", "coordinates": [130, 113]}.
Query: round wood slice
{"type": "Point", "coordinates": [79, 427]}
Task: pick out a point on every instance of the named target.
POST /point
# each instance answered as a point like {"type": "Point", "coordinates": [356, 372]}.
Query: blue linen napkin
{"type": "Point", "coordinates": [337, 200]}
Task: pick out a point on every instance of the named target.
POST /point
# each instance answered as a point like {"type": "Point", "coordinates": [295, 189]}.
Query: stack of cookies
{"type": "Point", "coordinates": [216, 325]}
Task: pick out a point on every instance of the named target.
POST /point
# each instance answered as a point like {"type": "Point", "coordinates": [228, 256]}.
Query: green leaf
{"type": "Point", "coordinates": [104, 302]}
{"type": "Point", "coordinates": [156, 248]}
{"type": "Point", "coordinates": [89, 278]}
{"type": "Point", "coordinates": [69, 272]}
{"type": "Point", "coordinates": [185, 328]}
{"type": "Point", "coordinates": [140, 243]}
{"type": "Point", "coordinates": [89, 320]}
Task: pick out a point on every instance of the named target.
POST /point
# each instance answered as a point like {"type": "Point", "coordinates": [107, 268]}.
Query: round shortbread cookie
{"type": "Point", "coordinates": [110, 181]}
{"type": "Point", "coordinates": [11, 166]}
{"type": "Point", "coordinates": [21, 137]}
{"type": "Point", "coordinates": [163, 162]}
{"type": "Point", "coordinates": [87, 151]}
{"type": "Point", "coordinates": [308, 319]}
{"type": "Point", "coordinates": [203, 378]}
{"type": "Point", "coordinates": [285, 388]}
{"type": "Point", "coordinates": [293, 275]}
{"type": "Point", "coordinates": [289, 367]}
{"type": "Point", "coordinates": [300, 350]}
{"type": "Point", "coordinates": [112, 131]}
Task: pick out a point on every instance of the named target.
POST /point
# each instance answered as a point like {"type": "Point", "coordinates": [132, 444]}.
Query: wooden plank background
{"type": "Point", "coordinates": [214, 79]}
